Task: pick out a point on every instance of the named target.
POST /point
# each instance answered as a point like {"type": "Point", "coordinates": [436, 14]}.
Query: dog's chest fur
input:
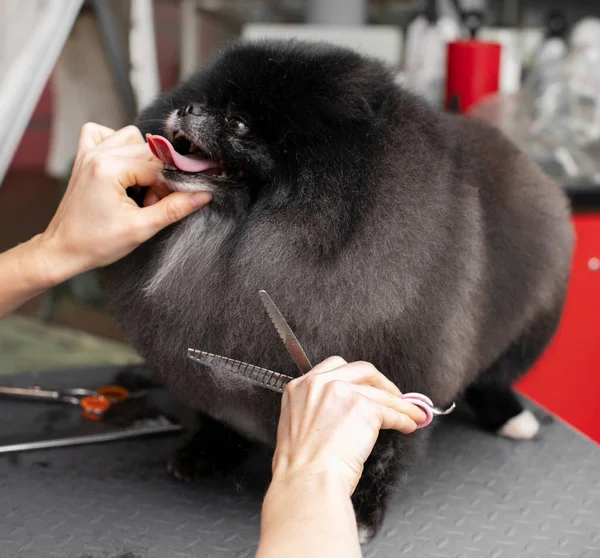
{"type": "Point", "coordinates": [430, 281]}
{"type": "Point", "coordinates": [198, 287]}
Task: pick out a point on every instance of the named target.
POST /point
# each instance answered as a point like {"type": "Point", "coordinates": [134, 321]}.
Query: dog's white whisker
{"type": "Point", "coordinates": [171, 124]}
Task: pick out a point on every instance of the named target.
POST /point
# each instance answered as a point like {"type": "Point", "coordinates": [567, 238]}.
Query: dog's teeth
{"type": "Point", "coordinates": [193, 148]}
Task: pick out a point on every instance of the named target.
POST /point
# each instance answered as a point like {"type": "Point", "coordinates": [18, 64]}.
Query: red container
{"type": "Point", "coordinates": [473, 72]}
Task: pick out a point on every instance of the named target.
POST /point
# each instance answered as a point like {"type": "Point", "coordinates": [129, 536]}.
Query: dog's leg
{"type": "Point", "coordinates": [498, 410]}
{"type": "Point", "coordinates": [215, 449]}
{"type": "Point", "coordinates": [384, 473]}
{"type": "Point", "coordinates": [496, 406]}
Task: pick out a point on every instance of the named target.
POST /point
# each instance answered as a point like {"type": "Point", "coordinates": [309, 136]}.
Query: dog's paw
{"type": "Point", "coordinates": [366, 533]}
{"type": "Point", "coordinates": [369, 516]}
{"type": "Point", "coordinates": [189, 468]}
{"type": "Point", "coordinates": [524, 426]}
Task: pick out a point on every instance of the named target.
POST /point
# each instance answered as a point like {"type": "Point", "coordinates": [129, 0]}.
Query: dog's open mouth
{"type": "Point", "coordinates": [181, 156]}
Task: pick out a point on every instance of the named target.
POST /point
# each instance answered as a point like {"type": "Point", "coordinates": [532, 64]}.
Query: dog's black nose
{"type": "Point", "coordinates": [194, 108]}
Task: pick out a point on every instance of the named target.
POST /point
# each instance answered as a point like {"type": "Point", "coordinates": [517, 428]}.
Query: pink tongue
{"type": "Point", "coordinates": [162, 148]}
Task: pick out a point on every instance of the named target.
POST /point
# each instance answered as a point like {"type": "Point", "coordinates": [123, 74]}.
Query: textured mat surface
{"type": "Point", "coordinates": [476, 497]}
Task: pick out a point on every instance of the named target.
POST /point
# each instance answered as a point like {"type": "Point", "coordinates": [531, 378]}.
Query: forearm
{"type": "Point", "coordinates": [308, 516]}
{"type": "Point", "coordinates": [26, 271]}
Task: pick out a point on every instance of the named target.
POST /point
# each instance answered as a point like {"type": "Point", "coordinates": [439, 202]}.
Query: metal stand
{"type": "Point", "coordinates": [116, 58]}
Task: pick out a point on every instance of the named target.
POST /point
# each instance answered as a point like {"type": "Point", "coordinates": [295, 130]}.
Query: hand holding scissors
{"type": "Point", "coordinates": [278, 382]}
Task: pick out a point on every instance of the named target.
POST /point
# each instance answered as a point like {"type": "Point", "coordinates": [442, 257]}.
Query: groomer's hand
{"type": "Point", "coordinates": [329, 423]}
{"type": "Point", "coordinates": [331, 417]}
{"type": "Point", "coordinates": [97, 223]}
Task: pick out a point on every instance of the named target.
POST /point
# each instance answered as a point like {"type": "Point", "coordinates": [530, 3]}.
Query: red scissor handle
{"type": "Point", "coordinates": [93, 407]}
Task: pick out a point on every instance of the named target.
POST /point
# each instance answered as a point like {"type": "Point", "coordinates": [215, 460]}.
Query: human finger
{"type": "Point", "coordinates": [92, 135]}
{"type": "Point", "coordinates": [359, 373]}
{"type": "Point", "coordinates": [125, 171]}
{"type": "Point", "coordinates": [157, 192]}
{"type": "Point", "coordinates": [328, 364]}
{"type": "Point", "coordinates": [382, 417]}
{"type": "Point", "coordinates": [394, 402]}
{"type": "Point", "coordinates": [127, 135]}
{"type": "Point", "coordinates": [171, 209]}
{"type": "Point", "coordinates": [150, 198]}
{"type": "Point", "coordinates": [394, 420]}
{"type": "Point", "coordinates": [137, 150]}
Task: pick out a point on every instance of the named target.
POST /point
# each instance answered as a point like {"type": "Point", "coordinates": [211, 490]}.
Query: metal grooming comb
{"type": "Point", "coordinates": [256, 374]}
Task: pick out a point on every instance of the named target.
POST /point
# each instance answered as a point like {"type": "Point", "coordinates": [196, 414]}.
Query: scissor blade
{"type": "Point", "coordinates": [257, 374]}
{"type": "Point", "coordinates": [30, 393]}
{"type": "Point", "coordinates": [438, 412]}
{"type": "Point", "coordinates": [287, 335]}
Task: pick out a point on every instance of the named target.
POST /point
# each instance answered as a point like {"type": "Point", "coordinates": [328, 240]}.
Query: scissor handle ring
{"type": "Point", "coordinates": [113, 393]}
{"type": "Point", "coordinates": [423, 402]}
{"type": "Point", "coordinates": [94, 407]}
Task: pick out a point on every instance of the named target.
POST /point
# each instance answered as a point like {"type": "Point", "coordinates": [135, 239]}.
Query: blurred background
{"type": "Point", "coordinates": [530, 67]}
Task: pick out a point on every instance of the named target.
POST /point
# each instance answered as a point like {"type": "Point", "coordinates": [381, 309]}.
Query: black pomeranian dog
{"type": "Point", "coordinates": [385, 231]}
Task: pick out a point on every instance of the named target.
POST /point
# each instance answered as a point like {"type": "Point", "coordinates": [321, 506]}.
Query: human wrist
{"type": "Point", "coordinates": [51, 263]}
{"type": "Point", "coordinates": [300, 487]}
{"type": "Point", "coordinates": [308, 478]}
{"type": "Point", "coordinates": [302, 503]}
{"type": "Point", "coordinates": [317, 469]}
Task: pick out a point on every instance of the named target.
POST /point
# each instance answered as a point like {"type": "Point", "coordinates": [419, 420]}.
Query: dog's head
{"type": "Point", "coordinates": [263, 114]}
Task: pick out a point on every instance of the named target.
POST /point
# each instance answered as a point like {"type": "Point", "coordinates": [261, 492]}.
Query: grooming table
{"type": "Point", "coordinates": [477, 496]}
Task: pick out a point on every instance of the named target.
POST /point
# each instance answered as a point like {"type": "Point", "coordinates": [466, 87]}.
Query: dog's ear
{"type": "Point", "coordinates": [365, 91]}
{"type": "Point", "coordinates": [362, 92]}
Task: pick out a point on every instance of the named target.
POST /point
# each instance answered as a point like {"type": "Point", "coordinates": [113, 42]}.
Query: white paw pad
{"type": "Point", "coordinates": [522, 427]}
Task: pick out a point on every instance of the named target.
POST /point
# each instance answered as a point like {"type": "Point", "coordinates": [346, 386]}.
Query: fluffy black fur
{"type": "Point", "coordinates": [385, 231]}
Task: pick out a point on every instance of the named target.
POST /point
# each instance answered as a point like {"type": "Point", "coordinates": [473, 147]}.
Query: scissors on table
{"type": "Point", "coordinates": [276, 381]}
{"type": "Point", "coordinates": [94, 403]}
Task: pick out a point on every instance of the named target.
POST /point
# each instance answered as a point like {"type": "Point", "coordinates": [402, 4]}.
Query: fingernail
{"type": "Point", "coordinates": [200, 199]}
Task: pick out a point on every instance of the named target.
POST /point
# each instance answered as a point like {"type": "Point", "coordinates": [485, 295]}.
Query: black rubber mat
{"type": "Point", "coordinates": [477, 496]}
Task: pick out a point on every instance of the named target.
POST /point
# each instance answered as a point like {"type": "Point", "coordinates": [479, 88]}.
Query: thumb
{"type": "Point", "coordinates": [173, 208]}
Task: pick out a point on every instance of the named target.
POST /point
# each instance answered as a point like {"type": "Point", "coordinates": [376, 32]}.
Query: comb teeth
{"type": "Point", "coordinates": [256, 374]}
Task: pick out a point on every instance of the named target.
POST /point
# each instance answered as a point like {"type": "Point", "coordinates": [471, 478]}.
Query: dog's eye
{"type": "Point", "coordinates": [237, 126]}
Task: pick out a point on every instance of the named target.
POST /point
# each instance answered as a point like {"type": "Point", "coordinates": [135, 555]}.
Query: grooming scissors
{"type": "Point", "coordinates": [94, 403]}
{"type": "Point", "coordinates": [276, 381]}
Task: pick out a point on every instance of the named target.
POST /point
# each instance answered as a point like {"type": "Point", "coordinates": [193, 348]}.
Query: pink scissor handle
{"type": "Point", "coordinates": [423, 402]}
